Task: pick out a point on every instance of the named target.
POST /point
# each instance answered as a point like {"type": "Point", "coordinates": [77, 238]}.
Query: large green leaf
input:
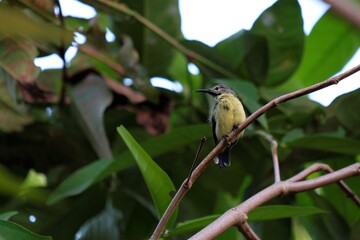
{"type": "Point", "coordinates": [80, 180]}
{"type": "Point", "coordinates": [330, 45]}
{"type": "Point", "coordinates": [333, 223]}
{"type": "Point", "coordinates": [282, 26]}
{"type": "Point", "coordinates": [7, 215]}
{"type": "Point", "coordinates": [155, 53]}
{"type": "Point", "coordinates": [344, 111]}
{"type": "Point", "coordinates": [327, 143]}
{"type": "Point", "coordinates": [85, 177]}
{"type": "Point", "coordinates": [212, 55]}
{"type": "Point", "coordinates": [158, 182]}
{"type": "Point", "coordinates": [258, 214]}
{"type": "Point", "coordinates": [282, 211]}
{"type": "Point", "coordinates": [247, 53]}
{"type": "Point", "coordinates": [105, 225]}
{"type": "Point", "coordinates": [10, 231]}
{"type": "Point", "coordinates": [30, 27]}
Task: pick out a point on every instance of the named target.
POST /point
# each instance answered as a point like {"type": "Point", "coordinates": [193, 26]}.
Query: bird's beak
{"type": "Point", "coordinates": [204, 91]}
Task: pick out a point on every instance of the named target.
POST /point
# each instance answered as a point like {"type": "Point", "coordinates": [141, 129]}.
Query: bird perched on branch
{"type": "Point", "coordinates": [227, 114]}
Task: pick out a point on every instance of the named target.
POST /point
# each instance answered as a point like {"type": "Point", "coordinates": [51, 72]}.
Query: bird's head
{"type": "Point", "coordinates": [217, 90]}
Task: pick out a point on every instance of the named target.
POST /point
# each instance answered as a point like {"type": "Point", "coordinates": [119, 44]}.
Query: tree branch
{"type": "Point", "coordinates": [323, 167]}
{"type": "Point", "coordinates": [274, 146]}
{"type": "Point", "coordinates": [246, 230]}
{"type": "Point", "coordinates": [206, 161]}
{"type": "Point", "coordinates": [237, 215]}
{"type": "Point", "coordinates": [347, 9]}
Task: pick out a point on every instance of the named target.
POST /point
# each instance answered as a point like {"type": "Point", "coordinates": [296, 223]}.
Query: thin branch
{"type": "Point", "coordinates": [202, 141]}
{"type": "Point", "coordinates": [247, 231]}
{"type": "Point", "coordinates": [274, 153]}
{"type": "Point", "coordinates": [347, 9]}
{"type": "Point", "coordinates": [206, 161]}
{"type": "Point", "coordinates": [323, 167]}
{"type": "Point", "coordinates": [236, 215]}
{"type": "Point", "coordinates": [62, 55]}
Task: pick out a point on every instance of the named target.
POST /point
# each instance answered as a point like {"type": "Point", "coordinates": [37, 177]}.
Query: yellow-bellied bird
{"type": "Point", "coordinates": [227, 114]}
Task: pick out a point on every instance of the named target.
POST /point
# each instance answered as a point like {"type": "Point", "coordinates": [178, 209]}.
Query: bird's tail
{"type": "Point", "coordinates": [223, 158]}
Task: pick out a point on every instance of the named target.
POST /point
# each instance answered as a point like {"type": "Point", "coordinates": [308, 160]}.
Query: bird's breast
{"type": "Point", "coordinates": [228, 113]}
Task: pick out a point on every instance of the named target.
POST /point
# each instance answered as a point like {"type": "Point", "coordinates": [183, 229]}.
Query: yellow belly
{"type": "Point", "coordinates": [228, 113]}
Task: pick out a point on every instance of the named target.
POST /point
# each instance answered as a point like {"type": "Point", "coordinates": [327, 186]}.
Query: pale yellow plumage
{"type": "Point", "coordinates": [227, 114]}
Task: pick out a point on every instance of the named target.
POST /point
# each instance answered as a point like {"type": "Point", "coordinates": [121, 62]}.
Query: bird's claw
{"type": "Point", "coordinates": [227, 140]}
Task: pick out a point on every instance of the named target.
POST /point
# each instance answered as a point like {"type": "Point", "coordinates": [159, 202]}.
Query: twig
{"type": "Point", "coordinates": [274, 154]}
{"type": "Point", "coordinates": [202, 141]}
{"type": "Point", "coordinates": [236, 215]}
{"type": "Point", "coordinates": [62, 55]}
{"type": "Point", "coordinates": [323, 167]}
{"type": "Point", "coordinates": [347, 9]}
{"type": "Point", "coordinates": [206, 161]}
{"type": "Point", "coordinates": [247, 231]}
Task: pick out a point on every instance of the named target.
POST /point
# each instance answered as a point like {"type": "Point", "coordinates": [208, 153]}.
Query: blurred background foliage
{"type": "Point", "coordinates": [67, 173]}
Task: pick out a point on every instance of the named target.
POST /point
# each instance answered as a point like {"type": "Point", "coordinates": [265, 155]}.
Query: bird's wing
{"type": "Point", "coordinates": [213, 124]}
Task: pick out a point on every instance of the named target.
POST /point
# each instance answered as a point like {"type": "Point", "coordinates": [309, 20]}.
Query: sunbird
{"type": "Point", "coordinates": [227, 114]}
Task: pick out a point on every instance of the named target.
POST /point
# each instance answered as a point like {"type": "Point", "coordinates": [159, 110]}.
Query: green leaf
{"type": "Point", "coordinates": [282, 26]}
{"type": "Point", "coordinates": [7, 215]}
{"type": "Point", "coordinates": [333, 223]}
{"type": "Point", "coordinates": [105, 225]}
{"type": "Point", "coordinates": [192, 225]}
{"type": "Point", "coordinates": [327, 143]}
{"type": "Point", "coordinates": [155, 53]}
{"type": "Point", "coordinates": [34, 179]}
{"type": "Point", "coordinates": [22, 23]}
{"type": "Point", "coordinates": [211, 54]}
{"type": "Point", "coordinates": [282, 211]}
{"type": "Point", "coordinates": [158, 182]}
{"type": "Point", "coordinates": [90, 98]}
{"type": "Point", "coordinates": [344, 111]}
{"type": "Point", "coordinates": [330, 45]}
{"type": "Point", "coordinates": [80, 180]}
{"type": "Point", "coordinates": [92, 173]}
{"type": "Point", "coordinates": [11, 231]}
{"type": "Point", "coordinates": [355, 230]}
{"type": "Point", "coordinates": [258, 214]}
{"type": "Point", "coordinates": [248, 53]}
{"type": "Point", "coordinates": [13, 116]}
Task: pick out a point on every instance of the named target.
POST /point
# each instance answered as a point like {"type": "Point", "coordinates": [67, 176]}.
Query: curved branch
{"type": "Point", "coordinates": [206, 161]}
{"type": "Point", "coordinates": [237, 215]}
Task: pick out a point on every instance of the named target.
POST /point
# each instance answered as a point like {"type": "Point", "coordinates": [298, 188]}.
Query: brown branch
{"type": "Point", "coordinates": [203, 139]}
{"type": "Point", "coordinates": [238, 214]}
{"type": "Point", "coordinates": [323, 167]}
{"type": "Point", "coordinates": [274, 146]}
{"type": "Point", "coordinates": [247, 231]}
{"type": "Point", "coordinates": [347, 9]}
{"type": "Point", "coordinates": [206, 161]}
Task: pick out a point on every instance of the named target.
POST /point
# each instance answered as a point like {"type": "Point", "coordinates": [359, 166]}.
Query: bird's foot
{"type": "Point", "coordinates": [227, 140]}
